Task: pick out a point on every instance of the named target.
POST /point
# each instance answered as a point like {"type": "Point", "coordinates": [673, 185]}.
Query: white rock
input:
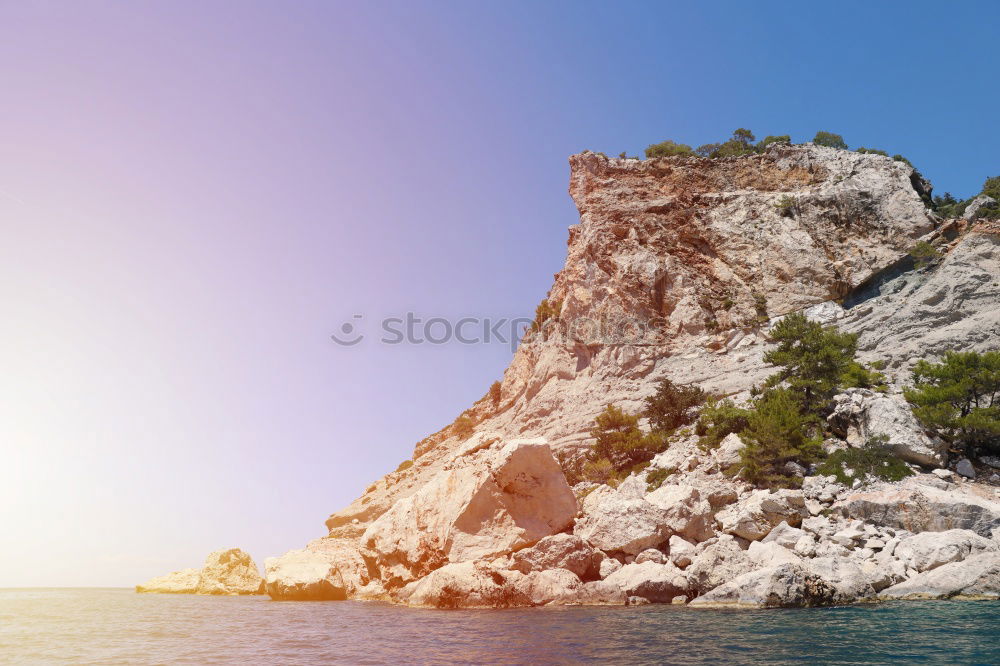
{"type": "Point", "coordinates": [184, 581]}
{"type": "Point", "coordinates": [717, 563]}
{"type": "Point", "coordinates": [920, 508]}
{"type": "Point", "coordinates": [728, 451]}
{"type": "Point", "coordinates": [929, 550]}
{"type": "Point", "coordinates": [681, 552]}
{"type": "Point", "coordinates": [977, 577]}
{"type": "Point", "coordinates": [484, 505]}
{"type": "Point", "coordinates": [651, 581]}
{"type": "Point", "coordinates": [230, 571]}
{"type": "Point", "coordinates": [771, 554]}
{"type": "Point", "coordinates": [609, 566]}
{"type": "Point", "coordinates": [888, 415]}
{"type": "Point", "coordinates": [755, 516]}
{"type": "Point", "coordinates": [651, 555]}
{"type": "Point", "coordinates": [784, 535]}
{"type": "Point", "coordinates": [785, 586]}
{"type": "Point", "coordinates": [304, 575]}
{"type": "Point", "coordinates": [559, 551]}
{"type": "Point", "coordinates": [685, 512]}
{"type": "Point", "coordinates": [469, 585]}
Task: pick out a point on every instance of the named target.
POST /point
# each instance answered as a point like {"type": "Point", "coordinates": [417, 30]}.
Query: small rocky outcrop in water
{"type": "Point", "coordinates": [228, 572]}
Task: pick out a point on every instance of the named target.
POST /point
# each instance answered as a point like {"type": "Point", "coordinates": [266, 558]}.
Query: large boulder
{"type": "Point", "coordinates": [326, 569]}
{"type": "Point", "coordinates": [929, 550]}
{"type": "Point", "coordinates": [976, 207]}
{"type": "Point", "coordinates": [467, 585]}
{"type": "Point", "coordinates": [861, 414]}
{"type": "Point", "coordinates": [184, 581]}
{"type": "Point", "coordinates": [977, 577]}
{"type": "Point", "coordinates": [784, 586]}
{"type": "Point", "coordinates": [923, 508]}
{"type": "Point", "coordinates": [616, 523]}
{"type": "Point", "coordinates": [559, 551]}
{"type": "Point", "coordinates": [658, 583]}
{"type": "Point", "coordinates": [718, 561]}
{"type": "Point", "coordinates": [230, 571]}
{"type": "Point", "coordinates": [304, 575]}
{"type": "Point", "coordinates": [753, 517]}
{"type": "Point", "coordinates": [480, 506]}
{"type": "Point", "coordinates": [685, 512]}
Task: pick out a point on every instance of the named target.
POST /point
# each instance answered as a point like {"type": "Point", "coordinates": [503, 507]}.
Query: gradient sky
{"type": "Point", "coordinates": [195, 195]}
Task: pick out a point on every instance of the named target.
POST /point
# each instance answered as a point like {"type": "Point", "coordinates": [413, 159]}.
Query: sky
{"type": "Point", "coordinates": [194, 196]}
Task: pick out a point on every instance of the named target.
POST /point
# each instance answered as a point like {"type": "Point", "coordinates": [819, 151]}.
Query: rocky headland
{"type": "Point", "coordinates": [679, 269]}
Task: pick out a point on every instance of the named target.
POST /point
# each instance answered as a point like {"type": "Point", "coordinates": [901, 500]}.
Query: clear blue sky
{"type": "Point", "coordinates": [195, 195]}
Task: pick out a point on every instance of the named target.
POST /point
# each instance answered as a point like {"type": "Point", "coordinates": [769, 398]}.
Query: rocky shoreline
{"type": "Point", "coordinates": [706, 255]}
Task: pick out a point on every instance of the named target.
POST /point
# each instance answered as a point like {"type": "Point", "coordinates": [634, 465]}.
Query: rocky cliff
{"type": "Point", "coordinates": [678, 269]}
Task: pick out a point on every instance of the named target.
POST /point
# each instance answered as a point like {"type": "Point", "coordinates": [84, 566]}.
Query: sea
{"type": "Point", "coordinates": [118, 626]}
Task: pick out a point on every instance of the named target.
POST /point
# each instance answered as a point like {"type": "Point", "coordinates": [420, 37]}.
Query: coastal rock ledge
{"type": "Point", "coordinates": [226, 572]}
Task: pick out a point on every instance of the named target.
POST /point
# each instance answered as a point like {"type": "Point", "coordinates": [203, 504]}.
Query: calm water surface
{"type": "Point", "coordinates": [90, 626]}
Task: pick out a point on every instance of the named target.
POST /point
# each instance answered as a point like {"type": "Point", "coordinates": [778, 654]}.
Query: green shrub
{"type": "Point", "coordinates": [829, 140]}
{"type": "Point", "coordinates": [785, 205]}
{"type": "Point", "coordinates": [545, 312]}
{"type": "Point", "coordinates": [718, 419]}
{"type": "Point", "coordinates": [899, 158]}
{"type": "Point", "coordinates": [959, 397]}
{"type": "Point", "coordinates": [777, 432]}
{"type": "Point", "coordinates": [656, 477]}
{"type": "Point", "coordinates": [673, 405]}
{"type": "Point", "coordinates": [406, 464]}
{"type": "Point", "coordinates": [872, 151]}
{"type": "Point", "coordinates": [924, 254]}
{"type": "Point", "coordinates": [871, 460]}
{"type": "Point", "coordinates": [619, 440]}
{"type": "Point", "coordinates": [768, 140]}
{"type": "Point", "coordinates": [708, 149]}
{"type": "Point", "coordinates": [495, 394]}
{"type": "Point", "coordinates": [463, 426]}
{"type": "Point", "coordinates": [668, 149]}
{"type": "Point", "coordinates": [991, 187]}
{"type": "Point", "coordinates": [812, 359]}
{"type": "Point", "coordinates": [858, 376]}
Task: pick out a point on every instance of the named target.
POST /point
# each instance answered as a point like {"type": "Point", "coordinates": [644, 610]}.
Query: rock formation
{"type": "Point", "coordinates": [228, 572]}
{"type": "Point", "coordinates": [678, 269]}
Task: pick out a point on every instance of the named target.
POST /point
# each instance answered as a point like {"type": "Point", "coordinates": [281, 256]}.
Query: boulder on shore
{"type": "Point", "coordinates": [975, 578]}
{"type": "Point", "coordinates": [923, 508]}
{"type": "Point", "coordinates": [326, 569]}
{"type": "Point", "coordinates": [484, 504]}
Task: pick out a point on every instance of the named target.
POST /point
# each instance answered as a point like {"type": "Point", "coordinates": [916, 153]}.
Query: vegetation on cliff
{"type": "Point", "coordinates": [959, 397]}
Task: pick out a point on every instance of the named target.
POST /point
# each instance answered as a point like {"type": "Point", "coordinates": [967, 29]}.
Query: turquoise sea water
{"type": "Point", "coordinates": [102, 626]}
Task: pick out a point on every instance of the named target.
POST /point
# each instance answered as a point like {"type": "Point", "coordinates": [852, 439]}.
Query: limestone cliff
{"type": "Point", "coordinates": [677, 269]}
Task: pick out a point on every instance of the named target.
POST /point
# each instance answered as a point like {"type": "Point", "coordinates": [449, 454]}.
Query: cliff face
{"type": "Point", "coordinates": [677, 269]}
{"type": "Point", "coordinates": [674, 270]}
